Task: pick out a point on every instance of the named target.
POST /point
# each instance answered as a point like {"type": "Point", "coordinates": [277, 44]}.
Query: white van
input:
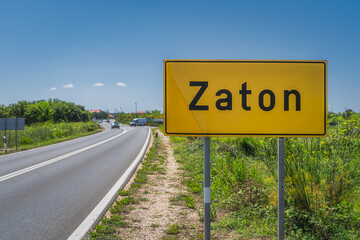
{"type": "Point", "coordinates": [138, 122]}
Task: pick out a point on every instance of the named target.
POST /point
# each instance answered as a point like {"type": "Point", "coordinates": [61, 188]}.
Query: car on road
{"type": "Point", "coordinates": [115, 125]}
{"type": "Point", "coordinates": [138, 122]}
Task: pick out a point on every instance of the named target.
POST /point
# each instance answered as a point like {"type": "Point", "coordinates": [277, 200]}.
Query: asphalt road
{"type": "Point", "coordinates": [46, 193]}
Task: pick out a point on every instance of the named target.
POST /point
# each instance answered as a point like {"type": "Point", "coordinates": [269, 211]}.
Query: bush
{"type": "Point", "coordinates": [26, 141]}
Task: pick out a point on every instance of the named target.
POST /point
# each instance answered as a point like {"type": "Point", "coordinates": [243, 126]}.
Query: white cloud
{"type": "Point", "coordinates": [98, 84]}
{"type": "Point", "coordinates": [70, 85]}
{"type": "Point", "coordinates": [121, 84]}
{"type": "Point", "coordinates": [53, 89]}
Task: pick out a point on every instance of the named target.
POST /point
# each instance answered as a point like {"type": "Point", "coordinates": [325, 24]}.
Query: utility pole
{"type": "Point", "coordinates": [135, 108]}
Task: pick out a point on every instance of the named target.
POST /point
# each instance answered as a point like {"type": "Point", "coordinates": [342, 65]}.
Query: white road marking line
{"type": "Point", "coordinates": [102, 206]}
{"type": "Point", "coordinates": [53, 160]}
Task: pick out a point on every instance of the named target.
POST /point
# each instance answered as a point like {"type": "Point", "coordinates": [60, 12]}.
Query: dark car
{"type": "Point", "coordinates": [115, 125]}
{"type": "Point", "coordinates": [138, 122]}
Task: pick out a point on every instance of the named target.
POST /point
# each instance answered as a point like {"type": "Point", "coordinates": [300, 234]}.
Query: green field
{"type": "Point", "coordinates": [322, 182]}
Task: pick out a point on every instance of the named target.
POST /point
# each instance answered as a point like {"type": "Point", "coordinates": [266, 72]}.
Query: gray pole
{"type": "Point", "coordinates": [156, 139]}
{"type": "Point", "coordinates": [16, 125]}
{"type": "Point", "coordinates": [5, 145]}
{"type": "Point", "coordinates": [281, 191]}
{"type": "Point", "coordinates": [207, 225]}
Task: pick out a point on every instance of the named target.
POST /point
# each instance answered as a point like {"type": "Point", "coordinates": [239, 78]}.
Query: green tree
{"type": "Point", "coordinates": [100, 115]}
{"type": "Point", "coordinates": [31, 114]}
{"type": "Point", "coordinates": [53, 110]}
{"type": "Point", "coordinates": [17, 109]}
{"type": "Point", "coordinates": [3, 113]}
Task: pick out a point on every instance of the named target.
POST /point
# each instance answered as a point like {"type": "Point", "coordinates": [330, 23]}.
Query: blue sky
{"type": "Point", "coordinates": [109, 54]}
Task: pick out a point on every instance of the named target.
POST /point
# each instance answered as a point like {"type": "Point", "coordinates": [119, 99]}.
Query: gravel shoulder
{"type": "Point", "coordinates": [160, 206]}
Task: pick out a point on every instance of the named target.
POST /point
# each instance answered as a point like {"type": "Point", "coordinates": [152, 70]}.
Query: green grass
{"type": "Point", "coordinates": [161, 128]}
{"type": "Point", "coordinates": [155, 225]}
{"type": "Point", "coordinates": [322, 182]}
{"type": "Point", "coordinates": [183, 198]}
{"type": "Point", "coordinates": [173, 229]}
{"type": "Point", "coordinates": [38, 135]}
{"type": "Point", "coordinates": [123, 192]}
{"type": "Point", "coordinates": [120, 205]}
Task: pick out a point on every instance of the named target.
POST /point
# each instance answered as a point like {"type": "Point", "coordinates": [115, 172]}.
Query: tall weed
{"type": "Point", "coordinates": [322, 178]}
{"type": "Point", "coordinates": [322, 181]}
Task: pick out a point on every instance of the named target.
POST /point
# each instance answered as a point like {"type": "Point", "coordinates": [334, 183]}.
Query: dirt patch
{"type": "Point", "coordinates": [160, 211]}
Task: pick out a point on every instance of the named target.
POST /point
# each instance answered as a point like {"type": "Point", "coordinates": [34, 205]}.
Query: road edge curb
{"type": "Point", "coordinates": [100, 210]}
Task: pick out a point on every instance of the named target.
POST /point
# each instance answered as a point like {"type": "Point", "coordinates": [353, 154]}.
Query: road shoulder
{"type": "Point", "coordinates": [154, 204]}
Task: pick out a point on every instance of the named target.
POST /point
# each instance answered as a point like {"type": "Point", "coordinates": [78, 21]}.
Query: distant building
{"type": "Point", "coordinates": [141, 112]}
{"type": "Point", "coordinates": [92, 111]}
{"type": "Point", "coordinates": [111, 116]}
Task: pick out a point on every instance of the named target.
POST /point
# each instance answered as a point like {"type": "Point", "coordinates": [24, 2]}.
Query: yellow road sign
{"type": "Point", "coordinates": [245, 98]}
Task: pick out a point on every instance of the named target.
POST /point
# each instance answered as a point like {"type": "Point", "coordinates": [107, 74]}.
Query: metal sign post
{"type": "Point", "coordinates": [5, 147]}
{"type": "Point", "coordinates": [207, 226]}
{"type": "Point", "coordinates": [281, 190]}
{"type": "Point", "coordinates": [16, 128]}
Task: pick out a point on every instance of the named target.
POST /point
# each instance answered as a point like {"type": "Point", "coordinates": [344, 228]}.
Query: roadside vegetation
{"type": "Point", "coordinates": [322, 187]}
{"type": "Point", "coordinates": [154, 204]}
{"type": "Point", "coordinates": [47, 122]}
{"type": "Point", "coordinates": [322, 182]}
{"type": "Point", "coordinates": [125, 118]}
{"type": "Point", "coordinates": [37, 135]}
{"type": "Point", "coordinates": [52, 110]}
